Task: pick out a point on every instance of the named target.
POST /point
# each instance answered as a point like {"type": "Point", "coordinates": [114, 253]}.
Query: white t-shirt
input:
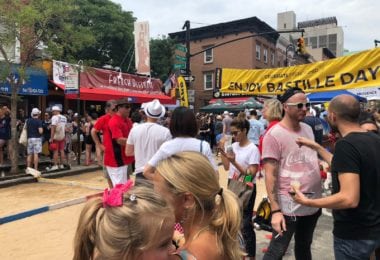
{"type": "Point", "coordinates": [147, 139]}
{"type": "Point", "coordinates": [60, 122]}
{"type": "Point", "coordinates": [244, 156]}
{"type": "Point", "coordinates": [182, 144]}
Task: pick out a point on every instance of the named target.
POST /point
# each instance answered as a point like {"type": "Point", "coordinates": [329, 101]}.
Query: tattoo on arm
{"type": "Point", "coordinates": [274, 165]}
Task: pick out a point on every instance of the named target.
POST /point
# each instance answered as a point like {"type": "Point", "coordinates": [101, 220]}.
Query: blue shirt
{"type": "Point", "coordinates": [32, 125]}
{"type": "Point", "coordinates": [5, 128]}
{"type": "Point", "coordinates": [256, 129]}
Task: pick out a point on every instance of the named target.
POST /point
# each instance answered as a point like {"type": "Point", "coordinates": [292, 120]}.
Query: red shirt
{"type": "Point", "coordinates": [114, 154]}
{"type": "Point", "coordinates": [102, 125]}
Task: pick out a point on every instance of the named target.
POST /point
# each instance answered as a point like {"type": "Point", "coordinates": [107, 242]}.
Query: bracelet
{"type": "Point", "coordinates": [276, 211]}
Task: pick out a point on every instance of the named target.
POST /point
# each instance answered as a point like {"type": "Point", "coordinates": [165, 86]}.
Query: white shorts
{"type": "Point", "coordinates": [118, 174]}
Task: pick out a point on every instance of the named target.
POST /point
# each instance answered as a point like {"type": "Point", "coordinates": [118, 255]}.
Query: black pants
{"type": "Point", "coordinates": [247, 230]}
{"type": "Point", "coordinates": [303, 230]}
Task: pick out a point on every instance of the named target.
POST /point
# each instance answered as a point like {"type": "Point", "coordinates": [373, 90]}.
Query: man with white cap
{"type": "Point", "coordinates": [57, 137]}
{"type": "Point", "coordinates": [145, 139]}
{"type": "Point", "coordinates": [34, 133]}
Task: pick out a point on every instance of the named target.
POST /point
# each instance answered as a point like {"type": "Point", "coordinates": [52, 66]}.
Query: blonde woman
{"type": "Point", "coordinates": [126, 223]}
{"type": "Point", "coordinates": [272, 112]}
{"type": "Point", "coordinates": [209, 215]}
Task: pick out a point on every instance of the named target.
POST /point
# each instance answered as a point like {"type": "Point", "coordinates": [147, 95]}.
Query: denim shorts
{"type": "Point", "coordinates": [34, 146]}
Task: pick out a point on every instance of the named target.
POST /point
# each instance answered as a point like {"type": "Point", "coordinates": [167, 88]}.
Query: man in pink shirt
{"type": "Point", "coordinates": [287, 164]}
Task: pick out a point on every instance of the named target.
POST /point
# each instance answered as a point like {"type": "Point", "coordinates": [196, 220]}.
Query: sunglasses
{"type": "Point", "coordinates": [299, 105]}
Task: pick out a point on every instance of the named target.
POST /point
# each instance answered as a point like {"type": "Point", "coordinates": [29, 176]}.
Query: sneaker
{"type": "Point", "coordinates": [53, 168]}
{"type": "Point", "coordinates": [61, 166]}
{"type": "Point", "coordinates": [27, 170]}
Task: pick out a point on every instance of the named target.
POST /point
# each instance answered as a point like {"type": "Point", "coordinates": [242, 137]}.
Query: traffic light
{"type": "Point", "coordinates": [301, 46]}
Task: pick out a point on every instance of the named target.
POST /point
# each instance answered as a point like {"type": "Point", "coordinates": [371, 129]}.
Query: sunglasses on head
{"type": "Point", "coordinates": [299, 105]}
{"type": "Point", "coordinates": [125, 105]}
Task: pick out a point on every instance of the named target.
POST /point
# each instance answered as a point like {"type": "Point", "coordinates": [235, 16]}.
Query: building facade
{"type": "Point", "coordinates": [319, 33]}
{"type": "Point", "coordinates": [250, 53]}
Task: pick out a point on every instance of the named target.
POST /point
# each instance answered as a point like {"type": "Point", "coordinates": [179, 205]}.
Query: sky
{"type": "Point", "coordinates": [359, 18]}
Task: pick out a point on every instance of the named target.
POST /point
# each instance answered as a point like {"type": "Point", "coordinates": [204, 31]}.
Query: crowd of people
{"type": "Point", "coordinates": [176, 209]}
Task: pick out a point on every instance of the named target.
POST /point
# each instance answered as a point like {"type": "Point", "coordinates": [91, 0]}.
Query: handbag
{"type": "Point", "coordinates": [243, 190]}
{"type": "Point", "coordinates": [24, 135]}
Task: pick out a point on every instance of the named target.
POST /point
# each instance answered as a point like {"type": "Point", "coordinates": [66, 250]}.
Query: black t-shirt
{"type": "Point", "coordinates": [358, 153]}
{"type": "Point", "coordinates": [317, 126]}
{"type": "Point", "coordinates": [32, 125]}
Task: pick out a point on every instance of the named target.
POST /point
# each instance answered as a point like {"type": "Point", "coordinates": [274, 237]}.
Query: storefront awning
{"type": "Point", "coordinates": [230, 100]}
{"type": "Point", "coordinates": [103, 94]}
{"type": "Point", "coordinates": [36, 83]}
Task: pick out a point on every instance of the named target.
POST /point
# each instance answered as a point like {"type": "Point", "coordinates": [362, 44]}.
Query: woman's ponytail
{"type": "Point", "coordinates": [227, 223]}
{"type": "Point", "coordinates": [84, 241]}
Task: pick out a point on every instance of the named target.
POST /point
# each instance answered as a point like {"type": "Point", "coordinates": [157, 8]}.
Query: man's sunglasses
{"type": "Point", "coordinates": [299, 105]}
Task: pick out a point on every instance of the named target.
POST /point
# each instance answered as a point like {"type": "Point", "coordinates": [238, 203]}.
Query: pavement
{"type": "Point", "coordinates": [322, 247]}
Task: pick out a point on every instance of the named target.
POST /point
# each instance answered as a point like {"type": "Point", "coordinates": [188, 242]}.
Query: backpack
{"type": "Point", "coordinates": [264, 215]}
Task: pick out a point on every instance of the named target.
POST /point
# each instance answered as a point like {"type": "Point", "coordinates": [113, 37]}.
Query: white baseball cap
{"type": "Point", "coordinates": [56, 108]}
{"type": "Point", "coordinates": [35, 111]}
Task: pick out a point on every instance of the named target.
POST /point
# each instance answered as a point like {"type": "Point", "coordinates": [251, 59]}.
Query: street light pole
{"type": "Point", "coordinates": [290, 46]}
{"type": "Point", "coordinates": [79, 67]}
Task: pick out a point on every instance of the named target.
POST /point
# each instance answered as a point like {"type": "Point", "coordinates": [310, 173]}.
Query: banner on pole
{"type": "Point", "coordinates": [142, 53]}
{"type": "Point", "coordinates": [184, 101]}
{"type": "Point", "coordinates": [356, 71]}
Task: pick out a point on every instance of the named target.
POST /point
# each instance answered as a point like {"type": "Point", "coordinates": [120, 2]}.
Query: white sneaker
{"type": "Point", "coordinates": [61, 166]}
{"type": "Point", "coordinates": [53, 168]}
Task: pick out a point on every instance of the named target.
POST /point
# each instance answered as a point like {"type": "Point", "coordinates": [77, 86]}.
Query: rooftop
{"type": "Point", "coordinates": [317, 22]}
{"type": "Point", "coordinates": [252, 24]}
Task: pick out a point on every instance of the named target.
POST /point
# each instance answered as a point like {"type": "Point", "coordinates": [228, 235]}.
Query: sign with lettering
{"type": "Point", "coordinates": [356, 71]}
{"type": "Point", "coordinates": [183, 98]}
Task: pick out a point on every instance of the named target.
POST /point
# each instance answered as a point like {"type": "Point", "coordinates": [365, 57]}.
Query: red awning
{"type": "Point", "coordinates": [103, 94]}
{"type": "Point", "coordinates": [230, 100]}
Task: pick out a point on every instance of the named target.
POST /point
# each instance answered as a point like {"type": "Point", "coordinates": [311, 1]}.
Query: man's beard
{"type": "Point", "coordinates": [333, 127]}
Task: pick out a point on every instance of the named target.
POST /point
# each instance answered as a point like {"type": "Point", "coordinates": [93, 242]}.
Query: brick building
{"type": "Point", "coordinates": [250, 53]}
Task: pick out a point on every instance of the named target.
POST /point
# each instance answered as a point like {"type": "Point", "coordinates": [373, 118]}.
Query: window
{"type": "Point", "coordinates": [332, 44]}
{"type": "Point", "coordinates": [272, 57]}
{"type": "Point", "coordinates": [306, 41]}
{"type": "Point", "coordinates": [322, 41]}
{"type": "Point", "coordinates": [208, 55]}
{"type": "Point", "coordinates": [284, 25]}
{"type": "Point", "coordinates": [208, 78]}
{"type": "Point", "coordinates": [258, 51]}
{"type": "Point", "coordinates": [313, 42]}
{"type": "Point", "coordinates": [265, 56]}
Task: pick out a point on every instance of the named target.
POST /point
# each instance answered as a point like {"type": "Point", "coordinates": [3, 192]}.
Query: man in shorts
{"type": "Point", "coordinates": [57, 138]}
{"type": "Point", "coordinates": [114, 157]}
{"type": "Point", "coordinates": [34, 133]}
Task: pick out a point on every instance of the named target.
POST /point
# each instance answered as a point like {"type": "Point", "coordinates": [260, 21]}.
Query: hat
{"type": "Point", "coordinates": [289, 93]}
{"type": "Point", "coordinates": [225, 113]}
{"type": "Point", "coordinates": [56, 108]}
{"type": "Point", "coordinates": [35, 111]}
{"type": "Point", "coordinates": [76, 115]}
{"type": "Point", "coordinates": [219, 117]}
{"type": "Point", "coordinates": [154, 109]}
{"type": "Point", "coordinates": [122, 101]}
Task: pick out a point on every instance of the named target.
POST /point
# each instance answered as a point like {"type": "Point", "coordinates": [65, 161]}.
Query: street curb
{"type": "Point", "coordinates": [29, 179]}
{"type": "Point", "coordinates": [59, 205]}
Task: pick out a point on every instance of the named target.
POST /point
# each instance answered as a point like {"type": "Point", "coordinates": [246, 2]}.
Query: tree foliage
{"type": "Point", "coordinates": [108, 27]}
{"type": "Point", "coordinates": [161, 57]}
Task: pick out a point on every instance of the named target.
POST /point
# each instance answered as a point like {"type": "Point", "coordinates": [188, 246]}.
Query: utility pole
{"type": "Point", "coordinates": [187, 40]}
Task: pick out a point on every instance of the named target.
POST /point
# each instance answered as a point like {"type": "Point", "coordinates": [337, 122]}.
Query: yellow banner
{"type": "Point", "coordinates": [184, 101]}
{"type": "Point", "coordinates": [356, 71]}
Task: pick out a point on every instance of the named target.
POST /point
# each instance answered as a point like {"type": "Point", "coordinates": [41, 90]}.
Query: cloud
{"type": "Point", "coordinates": [359, 19]}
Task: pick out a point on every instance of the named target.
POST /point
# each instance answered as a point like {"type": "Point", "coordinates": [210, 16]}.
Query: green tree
{"type": "Point", "coordinates": [112, 29]}
{"type": "Point", "coordinates": [161, 57]}
{"type": "Point", "coordinates": [33, 23]}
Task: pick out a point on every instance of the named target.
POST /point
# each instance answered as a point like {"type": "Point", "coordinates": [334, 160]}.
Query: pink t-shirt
{"type": "Point", "coordinates": [296, 165]}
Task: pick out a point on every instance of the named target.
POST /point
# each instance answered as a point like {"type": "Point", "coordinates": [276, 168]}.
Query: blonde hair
{"type": "Point", "coordinates": [192, 172]}
{"type": "Point", "coordinates": [273, 109]}
{"type": "Point", "coordinates": [121, 232]}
